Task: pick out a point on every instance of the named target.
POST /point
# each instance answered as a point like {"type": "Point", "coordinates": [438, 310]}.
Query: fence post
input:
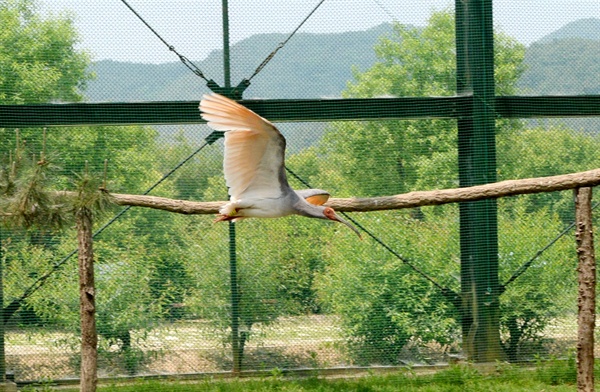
{"type": "Point", "coordinates": [2, 316]}
{"type": "Point", "coordinates": [586, 301]}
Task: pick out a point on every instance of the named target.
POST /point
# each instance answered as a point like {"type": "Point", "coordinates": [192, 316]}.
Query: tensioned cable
{"type": "Point", "coordinates": [521, 270]}
{"type": "Point", "coordinates": [14, 305]}
{"type": "Point", "coordinates": [444, 290]}
{"type": "Point", "coordinates": [386, 11]}
{"type": "Point", "coordinates": [283, 43]}
{"type": "Point", "coordinates": [187, 62]}
{"type": "Point", "coordinates": [195, 69]}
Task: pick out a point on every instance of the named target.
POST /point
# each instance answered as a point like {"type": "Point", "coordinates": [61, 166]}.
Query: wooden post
{"type": "Point", "coordinates": [586, 301]}
{"type": "Point", "coordinates": [87, 301]}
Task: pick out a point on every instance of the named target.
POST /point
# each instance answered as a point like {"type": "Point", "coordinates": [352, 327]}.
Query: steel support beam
{"type": "Point", "coordinates": [480, 288]}
{"type": "Point", "coordinates": [289, 110]}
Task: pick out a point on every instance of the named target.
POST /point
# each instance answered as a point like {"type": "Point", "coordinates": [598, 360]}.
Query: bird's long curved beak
{"type": "Point", "coordinates": [341, 220]}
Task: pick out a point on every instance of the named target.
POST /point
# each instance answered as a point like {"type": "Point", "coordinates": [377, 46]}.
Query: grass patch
{"type": "Point", "coordinates": [460, 378]}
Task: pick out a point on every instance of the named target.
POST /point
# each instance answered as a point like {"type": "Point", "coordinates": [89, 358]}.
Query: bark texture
{"type": "Point", "coordinates": [87, 301]}
{"type": "Point", "coordinates": [586, 272]}
{"type": "Point", "coordinates": [408, 200]}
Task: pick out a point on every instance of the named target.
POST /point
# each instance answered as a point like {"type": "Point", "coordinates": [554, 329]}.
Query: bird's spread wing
{"type": "Point", "coordinates": [254, 149]}
{"type": "Point", "coordinates": [317, 197]}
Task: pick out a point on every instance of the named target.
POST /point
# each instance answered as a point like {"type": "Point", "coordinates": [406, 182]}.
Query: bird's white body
{"type": "Point", "coordinates": [257, 207]}
{"type": "Point", "coordinates": [254, 167]}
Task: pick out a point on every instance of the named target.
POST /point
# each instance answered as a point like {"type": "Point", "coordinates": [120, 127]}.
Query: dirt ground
{"type": "Point", "coordinates": [194, 347]}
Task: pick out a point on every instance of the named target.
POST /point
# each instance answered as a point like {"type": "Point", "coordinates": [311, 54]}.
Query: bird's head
{"type": "Point", "coordinates": [330, 214]}
{"type": "Point", "coordinates": [311, 204]}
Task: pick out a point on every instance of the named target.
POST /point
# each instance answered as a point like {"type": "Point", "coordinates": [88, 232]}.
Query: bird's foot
{"type": "Point", "coordinates": [222, 218]}
{"type": "Point", "coordinates": [226, 217]}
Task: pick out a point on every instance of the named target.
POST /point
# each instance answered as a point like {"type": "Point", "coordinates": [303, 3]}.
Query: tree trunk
{"type": "Point", "coordinates": [586, 301]}
{"type": "Point", "coordinates": [87, 302]}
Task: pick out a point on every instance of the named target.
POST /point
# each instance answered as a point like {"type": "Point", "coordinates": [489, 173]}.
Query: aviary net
{"type": "Point", "coordinates": [374, 98]}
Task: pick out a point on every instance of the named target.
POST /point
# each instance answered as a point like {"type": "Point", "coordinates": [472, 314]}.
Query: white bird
{"type": "Point", "coordinates": [254, 167]}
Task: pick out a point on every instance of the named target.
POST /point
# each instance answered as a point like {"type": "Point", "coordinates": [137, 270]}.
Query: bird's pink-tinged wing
{"type": "Point", "coordinates": [254, 148]}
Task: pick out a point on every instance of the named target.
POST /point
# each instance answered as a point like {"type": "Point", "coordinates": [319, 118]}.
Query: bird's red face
{"type": "Point", "coordinates": [330, 214]}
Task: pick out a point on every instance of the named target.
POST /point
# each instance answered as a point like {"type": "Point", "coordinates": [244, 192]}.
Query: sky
{"type": "Point", "coordinates": [109, 30]}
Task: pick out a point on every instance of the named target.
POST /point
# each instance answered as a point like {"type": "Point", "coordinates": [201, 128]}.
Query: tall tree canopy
{"type": "Point", "coordinates": [378, 158]}
{"type": "Point", "coordinates": [38, 59]}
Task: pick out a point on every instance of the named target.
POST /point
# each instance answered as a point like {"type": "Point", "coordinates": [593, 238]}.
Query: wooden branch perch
{"type": "Point", "coordinates": [488, 191]}
{"type": "Point", "coordinates": [408, 200]}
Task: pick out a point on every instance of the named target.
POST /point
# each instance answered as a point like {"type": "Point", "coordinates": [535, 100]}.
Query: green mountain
{"type": "Point", "coordinates": [583, 28]}
{"type": "Point", "coordinates": [565, 62]}
{"type": "Point", "coordinates": [123, 82]}
{"type": "Point", "coordinates": [308, 66]}
{"type": "Point", "coordinates": [320, 65]}
{"type": "Point", "coordinates": [562, 67]}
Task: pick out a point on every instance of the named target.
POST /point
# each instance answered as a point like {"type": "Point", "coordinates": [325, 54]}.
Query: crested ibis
{"type": "Point", "coordinates": [254, 167]}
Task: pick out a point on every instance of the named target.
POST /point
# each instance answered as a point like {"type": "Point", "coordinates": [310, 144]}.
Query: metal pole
{"type": "Point", "coordinates": [226, 63]}
{"type": "Point", "coordinates": [235, 302]}
{"type": "Point", "coordinates": [233, 277]}
{"type": "Point", "coordinates": [477, 165]}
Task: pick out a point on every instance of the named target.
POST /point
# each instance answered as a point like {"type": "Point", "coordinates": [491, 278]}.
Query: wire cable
{"type": "Point", "coordinates": [521, 270]}
{"type": "Point", "coordinates": [386, 11]}
{"type": "Point", "coordinates": [39, 282]}
{"type": "Point", "coordinates": [446, 291]}
{"type": "Point", "coordinates": [187, 62]}
{"type": "Point", "coordinates": [283, 43]}
{"type": "Point", "coordinates": [196, 70]}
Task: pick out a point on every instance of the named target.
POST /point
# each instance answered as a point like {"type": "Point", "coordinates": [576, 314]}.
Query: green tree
{"type": "Point", "coordinates": [191, 180]}
{"type": "Point", "coordinates": [384, 304]}
{"type": "Point", "coordinates": [277, 263]}
{"type": "Point", "coordinates": [382, 158]}
{"type": "Point", "coordinates": [38, 59]}
{"type": "Point", "coordinates": [547, 151]}
{"type": "Point", "coordinates": [547, 290]}
{"type": "Point", "coordinates": [40, 63]}
{"type": "Point", "coordinates": [139, 281]}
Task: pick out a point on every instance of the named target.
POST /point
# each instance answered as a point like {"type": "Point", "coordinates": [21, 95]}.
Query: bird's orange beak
{"type": "Point", "coordinates": [331, 214]}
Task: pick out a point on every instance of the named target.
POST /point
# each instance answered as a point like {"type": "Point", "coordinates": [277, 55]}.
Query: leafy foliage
{"type": "Point", "coordinates": [153, 266]}
{"type": "Point", "coordinates": [39, 63]}
{"type": "Point", "coordinates": [383, 302]}
{"type": "Point", "coordinates": [25, 198]}
{"type": "Point", "coordinates": [380, 158]}
{"type": "Point", "coordinates": [38, 60]}
{"type": "Point", "coordinates": [531, 303]}
{"type": "Point", "coordinates": [572, 151]}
